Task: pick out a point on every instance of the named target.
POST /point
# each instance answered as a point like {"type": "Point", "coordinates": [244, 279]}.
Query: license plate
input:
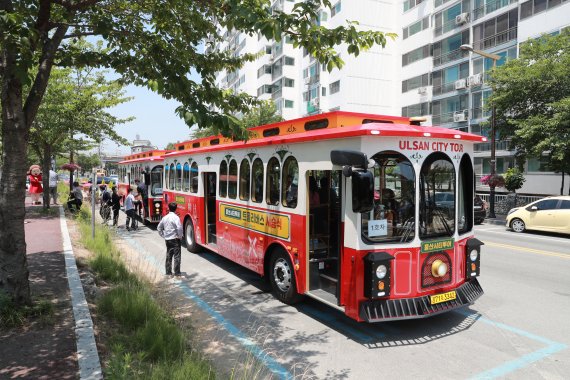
{"type": "Point", "coordinates": [439, 298]}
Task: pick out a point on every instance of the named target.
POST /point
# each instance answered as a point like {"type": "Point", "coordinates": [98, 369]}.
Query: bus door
{"type": "Point", "coordinates": [324, 237]}
{"type": "Point", "coordinates": [210, 206]}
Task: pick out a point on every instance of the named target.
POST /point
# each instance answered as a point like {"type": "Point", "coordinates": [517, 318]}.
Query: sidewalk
{"type": "Point", "coordinates": [47, 350]}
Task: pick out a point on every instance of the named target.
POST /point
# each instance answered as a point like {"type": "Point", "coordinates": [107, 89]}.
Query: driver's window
{"type": "Point", "coordinates": [392, 218]}
{"type": "Point", "coordinates": [547, 204]}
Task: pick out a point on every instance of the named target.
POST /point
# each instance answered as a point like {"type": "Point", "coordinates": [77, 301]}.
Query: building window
{"type": "Point", "coordinates": [335, 9]}
{"type": "Point", "coordinates": [409, 4]}
{"type": "Point", "coordinates": [415, 82]}
{"type": "Point", "coordinates": [420, 109]}
{"type": "Point", "coordinates": [289, 61]}
{"type": "Point", "coordinates": [416, 55]}
{"type": "Point", "coordinates": [444, 21]}
{"type": "Point", "coordinates": [334, 87]}
{"type": "Point", "coordinates": [496, 31]}
{"type": "Point", "coordinates": [287, 82]}
{"type": "Point", "coordinates": [448, 49]}
{"type": "Point", "coordinates": [288, 103]}
{"type": "Point", "coordinates": [416, 27]}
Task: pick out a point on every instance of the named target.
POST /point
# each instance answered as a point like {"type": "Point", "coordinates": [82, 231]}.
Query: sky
{"type": "Point", "coordinates": [155, 120]}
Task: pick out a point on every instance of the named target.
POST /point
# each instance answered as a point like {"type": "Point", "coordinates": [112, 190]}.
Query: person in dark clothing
{"type": "Point", "coordinates": [75, 197]}
{"type": "Point", "coordinates": [115, 205]}
{"type": "Point", "coordinates": [142, 192]}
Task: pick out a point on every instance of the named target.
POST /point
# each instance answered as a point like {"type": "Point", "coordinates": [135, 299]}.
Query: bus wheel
{"type": "Point", "coordinates": [282, 278]}
{"type": "Point", "coordinates": [518, 225]}
{"type": "Point", "coordinates": [190, 238]}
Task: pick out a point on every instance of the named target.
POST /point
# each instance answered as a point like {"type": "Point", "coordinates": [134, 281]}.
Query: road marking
{"type": "Point", "coordinates": [531, 237]}
{"type": "Point", "coordinates": [258, 352]}
{"type": "Point", "coordinates": [530, 250]}
{"type": "Point", "coordinates": [523, 361]}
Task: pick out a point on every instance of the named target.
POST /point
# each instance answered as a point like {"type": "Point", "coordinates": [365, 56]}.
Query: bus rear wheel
{"type": "Point", "coordinates": [282, 278]}
{"type": "Point", "coordinates": [190, 237]}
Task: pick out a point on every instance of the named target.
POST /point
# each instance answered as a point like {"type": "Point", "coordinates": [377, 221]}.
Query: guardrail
{"type": "Point", "coordinates": [505, 202]}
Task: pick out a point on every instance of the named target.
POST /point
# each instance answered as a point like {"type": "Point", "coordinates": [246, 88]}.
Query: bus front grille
{"type": "Point", "coordinates": [419, 307]}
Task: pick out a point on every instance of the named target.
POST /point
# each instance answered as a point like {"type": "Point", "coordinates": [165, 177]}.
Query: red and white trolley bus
{"type": "Point", "coordinates": [147, 167]}
{"type": "Point", "coordinates": [370, 214]}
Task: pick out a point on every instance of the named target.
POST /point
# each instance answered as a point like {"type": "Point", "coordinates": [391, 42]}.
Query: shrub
{"type": "Point", "coordinates": [514, 179]}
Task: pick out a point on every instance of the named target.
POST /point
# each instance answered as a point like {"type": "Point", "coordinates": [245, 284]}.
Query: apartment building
{"type": "Point", "coordinates": [448, 85]}
{"type": "Point", "coordinates": [423, 73]}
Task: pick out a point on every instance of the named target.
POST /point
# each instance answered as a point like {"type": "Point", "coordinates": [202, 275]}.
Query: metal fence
{"type": "Point", "coordinates": [505, 202]}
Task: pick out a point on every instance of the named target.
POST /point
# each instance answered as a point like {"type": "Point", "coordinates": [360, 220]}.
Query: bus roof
{"type": "Point", "coordinates": [150, 155]}
{"type": "Point", "coordinates": [391, 129]}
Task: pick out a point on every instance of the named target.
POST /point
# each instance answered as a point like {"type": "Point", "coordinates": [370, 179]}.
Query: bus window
{"type": "Point", "coordinates": [194, 177]}
{"type": "Point", "coordinates": [392, 218]}
{"type": "Point", "coordinates": [171, 177]}
{"type": "Point", "coordinates": [232, 180]}
{"type": "Point", "coordinates": [244, 174]}
{"type": "Point", "coordinates": [224, 179]}
{"type": "Point", "coordinates": [465, 195]}
{"type": "Point", "coordinates": [186, 177]}
{"type": "Point", "coordinates": [290, 182]}
{"type": "Point", "coordinates": [166, 176]}
{"type": "Point", "coordinates": [156, 181]}
{"type": "Point", "coordinates": [437, 197]}
{"type": "Point", "coordinates": [178, 177]}
{"type": "Point", "coordinates": [273, 177]}
{"type": "Point", "coordinates": [257, 181]}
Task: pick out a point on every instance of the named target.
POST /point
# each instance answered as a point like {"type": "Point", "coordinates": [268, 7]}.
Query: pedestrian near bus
{"type": "Point", "coordinates": [170, 229]}
{"type": "Point", "coordinates": [75, 197]}
{"type": "Point", "coordinates": [130, 210]}
{"type": "Point", "coordinates": [53, 185]}
{"type": "Point", "coordinates": [115, 205]}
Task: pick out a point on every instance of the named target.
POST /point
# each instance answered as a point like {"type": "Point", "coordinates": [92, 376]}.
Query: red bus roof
{"type": "Point", "coordinates": [381, 129]}
{"type": "Point", "coordinates": [150, 155]}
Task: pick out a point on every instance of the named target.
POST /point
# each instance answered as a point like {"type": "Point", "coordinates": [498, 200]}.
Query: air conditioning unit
{"type": "Point", "coordinates": [475, 80]}
{"type": "Point", "coordinates": [460, 116]}
{"type": "Point", "coordinates": [308, 80]}
{"type": "Point", "coordinates": [460, 84]}
{"type": "Point", "coordinates": [315, 102]}
{"type": "Point", "coordinates": [461, 18]}
{"type": "Point", "coordinates": [422, 90]}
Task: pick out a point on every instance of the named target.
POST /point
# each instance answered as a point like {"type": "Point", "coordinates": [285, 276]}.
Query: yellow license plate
{"type": "Point", "coordinates": [439, 298]}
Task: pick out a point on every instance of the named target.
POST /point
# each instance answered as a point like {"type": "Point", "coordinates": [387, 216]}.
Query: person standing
{"type": "Point", "coordinates": [53, 185]}
{"type": "Point", "coordinates": [141, 190]}
{"type": "Point", "coordinates": [170, 229]}
{"type": "Point", "coordinates": [115, 205]}
{"type": "Point", "coordinates": [76, 197]}
{"type": "Point", "coordinates": [130, 210]}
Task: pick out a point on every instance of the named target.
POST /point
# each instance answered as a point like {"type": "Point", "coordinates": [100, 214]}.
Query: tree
{"type": "Point", "coordinates": [514, 179]}
{"type": "Point", "coordinates": [264, 113]}
{"type": "Point", "coordinates": [148, 44]}
{"type": "Point", "coordinates": [73, 116]}
{"type": "Point", "coordinates": [88, 161]}
{"type": "Point", "coordinates": [531, 96]}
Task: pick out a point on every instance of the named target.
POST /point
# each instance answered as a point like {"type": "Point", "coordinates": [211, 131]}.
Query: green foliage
{"type": "Point", "coordinates": [514, 179]}
{"type": "Point", "coordinates": [532, 99]}
{"type": "Point", "coordinates": [88, 161]}
{"type": "Point", "coordinates": [12, 315]}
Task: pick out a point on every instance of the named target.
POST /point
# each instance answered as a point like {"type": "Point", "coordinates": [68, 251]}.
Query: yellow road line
{"type": "Point", "coordinates": [531, 250]}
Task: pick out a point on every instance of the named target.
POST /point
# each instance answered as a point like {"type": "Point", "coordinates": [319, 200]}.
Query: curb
{"type": "Point", "coordinates": [496, 221]}
{"type": "Point", "coordinates": [87, 355]}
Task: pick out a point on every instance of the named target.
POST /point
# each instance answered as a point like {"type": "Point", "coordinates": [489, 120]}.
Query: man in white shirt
{"type": "Point", "coordinates": [130, 210]}
{"type": "Point", "coordinates": [53, 185]}
{"type": "Point", "coordinates": [170, 229]}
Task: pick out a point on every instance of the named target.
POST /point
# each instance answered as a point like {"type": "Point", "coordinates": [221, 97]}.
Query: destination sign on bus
{"type": "Point", "coordinates": [430, 146]}
{"type": "Point", "coordinates": [437, 245]}
{"type": "Point", "coordinates": [265, 222]}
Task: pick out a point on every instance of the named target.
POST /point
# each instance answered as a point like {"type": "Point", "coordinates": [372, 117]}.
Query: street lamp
{"type": "Point", "coordinates": [495, 58]}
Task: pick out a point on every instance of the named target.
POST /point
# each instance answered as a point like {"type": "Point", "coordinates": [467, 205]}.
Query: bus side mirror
{"type": "Point", "coordinates": [362, 191]}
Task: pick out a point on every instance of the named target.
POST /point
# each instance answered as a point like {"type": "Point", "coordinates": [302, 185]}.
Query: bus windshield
{"type": "Point", "coordinates": [392, 218]}
{"type": "Point", "coordinates": [437, 197]}
{"type": "Point", "coordinates": [156, 181]}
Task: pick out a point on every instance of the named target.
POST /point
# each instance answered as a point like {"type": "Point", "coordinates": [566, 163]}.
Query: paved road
{"type": "Point", "coordinates": [518, 329]}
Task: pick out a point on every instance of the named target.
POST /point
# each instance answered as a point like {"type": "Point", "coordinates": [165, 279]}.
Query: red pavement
{"type": "Point", "coordinates": [50, 351]}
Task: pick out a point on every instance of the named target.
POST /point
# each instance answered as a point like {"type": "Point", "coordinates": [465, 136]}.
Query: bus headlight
{"type": "Point", "coordinates": [473, 254]}
{"type": "Point", "coordinates": [157, 204]}
{"type": "Point", "coordinates": [377, 266]}
{"type": "Point", "coordinates": [381, 271]}
{"type": "Point", "coordinates": [438, 268]}
{"type": "Point", "coordinates": [472, 258]}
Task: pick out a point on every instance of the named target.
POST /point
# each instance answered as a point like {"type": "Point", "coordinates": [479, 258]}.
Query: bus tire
{"type": "Point", "coordinates": [190, 237]}
{"type": "Point", "coordinates": [282, 278]}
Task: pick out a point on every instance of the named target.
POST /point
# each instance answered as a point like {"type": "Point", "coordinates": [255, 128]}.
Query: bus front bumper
{"type": "Point", "coordinates": [419, 307]}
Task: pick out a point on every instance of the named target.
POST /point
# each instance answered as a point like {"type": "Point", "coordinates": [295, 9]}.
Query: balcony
{"type": "Point", "coordinates": [459, 116]}
{"type": "Point", "coordinates": [486, 147]}
{"type": "Point", "coordinates": [451, 56]}
{"type": "Point", "coordinates": [491, 7]}
{"type": "Point", "coordinates": [448, 26]}
{"type": "Point", "coordinates": [497, 39]}
{"type": "Point", "coordinates": [480, 113]}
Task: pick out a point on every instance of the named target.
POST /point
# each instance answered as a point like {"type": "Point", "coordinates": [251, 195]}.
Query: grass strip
{"type": "Point", "coordinates": [146, 342]}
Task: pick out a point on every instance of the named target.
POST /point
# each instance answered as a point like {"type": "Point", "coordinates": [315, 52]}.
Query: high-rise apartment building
{"type": "Point", "coordinates": [423, 73]}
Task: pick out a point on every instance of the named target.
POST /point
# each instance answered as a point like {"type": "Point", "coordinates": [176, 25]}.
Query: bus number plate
{"type": "Point", "coordinates": [439, 298]}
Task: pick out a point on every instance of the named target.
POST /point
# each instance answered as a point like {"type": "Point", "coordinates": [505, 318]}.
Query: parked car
{"type": "Point", "coordinates": [445, 202]}
{"type": "Point", "coordinates": [479, 209]}
{"type": "Point", "coordinates": [550, 214]}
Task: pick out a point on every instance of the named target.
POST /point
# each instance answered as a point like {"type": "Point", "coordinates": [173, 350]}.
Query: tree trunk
{"type": "Point", "coordinates": [15, 131]}
{"type": "Point", "coordinates": [46, 166]}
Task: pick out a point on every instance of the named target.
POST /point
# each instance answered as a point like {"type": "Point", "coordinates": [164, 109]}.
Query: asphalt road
{"type": "Point", "coordinates": [518, 329]}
